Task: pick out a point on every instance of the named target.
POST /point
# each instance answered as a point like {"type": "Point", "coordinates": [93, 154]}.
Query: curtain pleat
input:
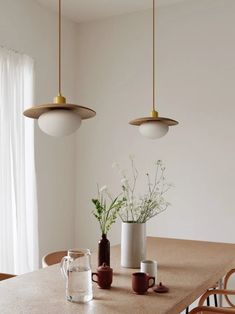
{"type": "Point", "coordinates": [18, 201]}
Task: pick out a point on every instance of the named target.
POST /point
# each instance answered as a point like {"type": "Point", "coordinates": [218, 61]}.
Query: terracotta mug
{"type": "Point", "coordinates": [141, 282]}
{"type": "Point", "coordinates": [104, 276]}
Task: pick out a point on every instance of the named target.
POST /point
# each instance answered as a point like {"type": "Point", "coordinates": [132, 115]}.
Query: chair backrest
{"type": "Point", "coordinates": [53, 258]}
{"type": "Point", "coordinates": [226, 280]}
{"type": "Point", "coordinates": [211, 310]}
{"type": "Point", "coordinates": [6, 276]}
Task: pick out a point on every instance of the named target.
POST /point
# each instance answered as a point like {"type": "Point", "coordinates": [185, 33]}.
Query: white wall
{"type": "Point", "coordinates": [27, 27]}
{"type": "Point", "coordinates": [107, 66]}
{"type": "Point", "coordinates": [196, 77]}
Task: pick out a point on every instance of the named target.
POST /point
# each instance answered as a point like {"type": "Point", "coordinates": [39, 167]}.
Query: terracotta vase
{"type": "Point", "coordinates": [104, 251]}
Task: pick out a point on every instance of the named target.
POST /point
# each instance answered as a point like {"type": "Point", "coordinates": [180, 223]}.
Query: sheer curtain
{"type": "Point", "coordinates": [18, 202]}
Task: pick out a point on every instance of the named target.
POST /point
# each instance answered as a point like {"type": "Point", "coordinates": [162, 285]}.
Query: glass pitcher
{"type": "Point", "coordinates": [76, 268]}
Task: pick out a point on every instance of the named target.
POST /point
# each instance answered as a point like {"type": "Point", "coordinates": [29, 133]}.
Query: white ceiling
{"type": "Point", "coordinates": [87, 10]}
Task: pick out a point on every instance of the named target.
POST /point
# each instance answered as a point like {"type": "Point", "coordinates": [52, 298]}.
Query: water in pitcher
{"type": "Point", "coordinates": [79, 285]}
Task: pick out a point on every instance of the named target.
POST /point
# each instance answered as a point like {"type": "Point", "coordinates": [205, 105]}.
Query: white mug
{"type": "Point", "coordinates": [149, 267]}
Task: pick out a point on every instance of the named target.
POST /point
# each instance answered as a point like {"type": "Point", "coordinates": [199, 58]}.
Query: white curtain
{"type": "Point", "coordinates": [18, 202]}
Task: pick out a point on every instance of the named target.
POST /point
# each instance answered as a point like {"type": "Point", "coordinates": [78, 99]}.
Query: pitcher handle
{"type": "Point", "coordinates": [63, 266]}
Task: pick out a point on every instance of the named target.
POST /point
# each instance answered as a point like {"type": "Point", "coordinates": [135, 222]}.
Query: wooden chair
{"type": "Point", "coordinates": [6, 276]}
{"type": "Point", "coordinates": [212, 310]}
{"type": "Point", "coordinates": [53, 258]}
{"type": "Point", "coordinates": [226, 280]}
{"type": "Point", "coordinates": [225, 292]}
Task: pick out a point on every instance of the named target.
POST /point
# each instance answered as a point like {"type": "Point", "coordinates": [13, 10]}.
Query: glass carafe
{"type": "Point", "coordinates": [76, 268]}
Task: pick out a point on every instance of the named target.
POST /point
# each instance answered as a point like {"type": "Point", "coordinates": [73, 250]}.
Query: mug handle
{"type": "Point", "coordinates": [153, 283]}
{"type": "Point", "coordinates": [63, 266]}
{"type": "Point", "coordinates": [94, 274]}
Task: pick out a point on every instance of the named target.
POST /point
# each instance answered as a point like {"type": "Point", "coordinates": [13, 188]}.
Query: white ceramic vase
{"type": "Point", "coordinates": [133, 244]}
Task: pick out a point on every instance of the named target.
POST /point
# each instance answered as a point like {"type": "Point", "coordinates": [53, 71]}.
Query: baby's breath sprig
{"type": "Point", "coordinates": [142, 208]}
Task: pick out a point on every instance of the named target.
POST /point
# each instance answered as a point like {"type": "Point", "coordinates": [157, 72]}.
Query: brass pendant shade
{"type": "Point", "coordinates": [59, 102]}
{"type": "Point", "coordinates": [154, 120]}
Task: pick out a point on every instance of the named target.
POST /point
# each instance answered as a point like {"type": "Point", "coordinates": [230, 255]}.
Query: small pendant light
{"type": "Point", "coordinates": [59, 118]}
{"type": "Point", "coordinates": [153, 127]}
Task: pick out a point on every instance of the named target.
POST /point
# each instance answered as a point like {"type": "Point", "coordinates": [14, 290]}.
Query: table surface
{"type": "Point", "coordinates": [187, 267]}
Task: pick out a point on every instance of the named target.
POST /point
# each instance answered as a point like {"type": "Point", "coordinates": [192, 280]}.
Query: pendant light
{"type": "Point", "coordinates": [59, 118]}
{"type": "Point", "coordinates": [154, 126]}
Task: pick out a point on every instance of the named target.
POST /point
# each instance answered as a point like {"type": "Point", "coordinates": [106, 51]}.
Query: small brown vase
{"type": "Point", "coordinates": [104, 251]}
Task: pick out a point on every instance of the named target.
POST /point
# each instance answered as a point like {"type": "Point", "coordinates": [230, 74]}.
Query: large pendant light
{"type": "Point", "coordinates": [154, 126]}
{"type": "Point", "coordinates": [59, 118]}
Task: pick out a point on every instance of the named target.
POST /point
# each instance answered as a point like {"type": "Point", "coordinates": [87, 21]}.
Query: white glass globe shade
{"type": "Point", "coordinates": [59, 122]}
{"type": "Point", "coordinates": [153, 129]}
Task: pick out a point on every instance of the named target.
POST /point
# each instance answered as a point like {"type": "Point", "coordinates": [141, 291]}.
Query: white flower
{"type": "Point", "coordinates": [124, 181]}
{"type": "Point", "coordinates": [161, 200]}
{"type": "Point", "coordinates": [103, 189]}
{"type": "Point", "coordinates": [158, 163]}
{"type": "Point", "coordinates": [115, 165]}
{"type": "Point", "coordinates": [123, 172]}
{"type": "Point", "coordinates": [132, 157]}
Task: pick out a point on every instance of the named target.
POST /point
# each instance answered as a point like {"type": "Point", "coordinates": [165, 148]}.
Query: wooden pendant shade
{"type": "Point", "coordinates": [166, 121]}
{"type": "Point", "coordinates": [36, 111]}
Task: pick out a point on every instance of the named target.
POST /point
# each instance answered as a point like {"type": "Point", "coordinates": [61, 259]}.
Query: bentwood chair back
{"type": "Point", "coordinates": [211, 310]}
{"type": "Point", "coordinates": [226, 281]}
{"type": "Point", "coordinates": [201, 309]}
{"type": "Point", "coordinates": [5, 276]}
{"type": "Point", "coordinates": [53, 258]}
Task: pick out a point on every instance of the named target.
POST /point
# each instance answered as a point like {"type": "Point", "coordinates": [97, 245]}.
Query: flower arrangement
{"type": "Point", "coordinates": [144, 207]}
{"type": "Point", "coordinates": [106, 209]}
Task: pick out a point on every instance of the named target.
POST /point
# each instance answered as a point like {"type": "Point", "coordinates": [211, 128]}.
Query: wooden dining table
{"type": "Point", "coordinates": [187, 267]}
